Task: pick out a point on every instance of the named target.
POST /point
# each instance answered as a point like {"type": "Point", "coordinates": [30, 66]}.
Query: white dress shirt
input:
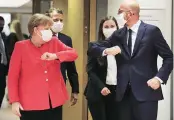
{"type": "Point", "coordinates": [111, 78]}
{"type": "Point", "coordinates": [134, 29]}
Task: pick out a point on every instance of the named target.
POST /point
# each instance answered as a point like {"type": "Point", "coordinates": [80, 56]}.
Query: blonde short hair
{"type": "Point", "coordinates": [37, 20]}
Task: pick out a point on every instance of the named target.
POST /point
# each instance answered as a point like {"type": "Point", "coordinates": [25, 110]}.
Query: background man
{"type": "Point", "coordinates": [3, 61]}
{"type": "Point", "coordinates": [68, 69]}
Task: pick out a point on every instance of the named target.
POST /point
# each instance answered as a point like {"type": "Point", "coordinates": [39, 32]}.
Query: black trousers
{"type": "Point", "coordinates": [50, 114]}
{"type": "Point", "coordinates": [106, 108]}
{"type": "Point", "coordinates": [131, 109]}
{"type": "Point", "coordinates": [2, 87]}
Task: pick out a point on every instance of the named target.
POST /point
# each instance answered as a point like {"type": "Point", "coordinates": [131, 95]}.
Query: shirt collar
{"type": "Point", "coordinates": [57, 34]}
{"type": "Point", "coordinates": [135, 27]}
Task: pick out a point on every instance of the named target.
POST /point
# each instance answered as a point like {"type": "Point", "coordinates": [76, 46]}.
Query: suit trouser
{"type": "Point", "coordinates": [131, 109]}
{"type": "Point", "coordinates": [2, 87]}
{"type": "Point", "coordinates": [106, 108]}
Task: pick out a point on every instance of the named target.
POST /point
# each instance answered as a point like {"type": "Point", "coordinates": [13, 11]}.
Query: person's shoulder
{"type": "Point", "coordinates": [119, 32]}
{"type": "Point", "coordinates": [120, 29]}
{"type": "Point", "coordinates": [22, 42]}
{"type": "Point", "coordinates": [65, 36]}
{"type": "Point", "coordinates": [12, 34]}
{"type": "Point", "coordinates": [150, 26]}
{"type": "Point", "coordinates": [92, 43]}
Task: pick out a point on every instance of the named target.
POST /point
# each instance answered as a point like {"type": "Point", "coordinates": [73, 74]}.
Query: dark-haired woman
{"type": "Point", "coordinates": [102, 74]}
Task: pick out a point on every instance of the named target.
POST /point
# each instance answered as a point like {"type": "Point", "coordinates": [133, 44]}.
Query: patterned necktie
{"type": "Point", "coordinates": [2, 52]}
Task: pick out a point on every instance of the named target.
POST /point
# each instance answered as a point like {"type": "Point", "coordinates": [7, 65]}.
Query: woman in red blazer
{"type": "Point", "coordinates": [35, 83]}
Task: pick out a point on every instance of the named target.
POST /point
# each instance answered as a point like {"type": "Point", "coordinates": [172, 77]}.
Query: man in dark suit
{"type": "Point", "coordinates": [68, 68]}
{"type": "Point", "coordinates": [139, 80]}
{"type": "Point", "coordinates": [3, 61]}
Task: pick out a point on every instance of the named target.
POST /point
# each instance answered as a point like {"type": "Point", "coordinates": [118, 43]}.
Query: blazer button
{"type": "Point", "coordinates": [45, 71]}
{"type": "Point", "coordinates": [47, 80]}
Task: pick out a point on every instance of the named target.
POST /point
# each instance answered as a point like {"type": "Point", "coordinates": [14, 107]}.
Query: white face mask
{"type": "Point", "coordinates": [108, 31]}
{"type": "Point", "coordinates": [122, 21]}
{"type": "Point", "coordinates": [57, 27]}
{"type": "Point", "coordinates": [46, 35]}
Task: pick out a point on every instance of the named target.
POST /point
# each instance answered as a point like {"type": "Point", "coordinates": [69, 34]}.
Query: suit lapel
{"type": "Point", "coordinates": [140, 35]}
{"type": "Point", "coordinates": [59, 36]}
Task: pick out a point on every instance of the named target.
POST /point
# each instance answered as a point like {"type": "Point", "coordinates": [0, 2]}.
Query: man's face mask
{"type": "Point", "coordinates": [125, 17]}
{"type": "Point", "coordinates": [57, 27]}
{"type": "Point", "coordinates": [122, 19]}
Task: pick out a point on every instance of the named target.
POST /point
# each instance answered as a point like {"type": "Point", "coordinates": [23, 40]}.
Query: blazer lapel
{"type": "Point", "coordinates": [140, 35]}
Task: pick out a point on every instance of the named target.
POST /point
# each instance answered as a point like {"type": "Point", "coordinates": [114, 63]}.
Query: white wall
{"type": "Point", "coordinates": [24, 18]}
{"type": "Point", "coordinates": [102, 6]}
{"type": "Point", "coordinates": [16, 10]}
{"type": "Point", "coordinates": [156, 12]}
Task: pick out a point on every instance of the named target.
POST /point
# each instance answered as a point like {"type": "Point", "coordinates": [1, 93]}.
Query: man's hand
{"type": "Point", "coordinates": [74, 98]}
{"type": "Point", "coordinates": [105, 91]}
{"type": "Point", "coordinates": [154, 83]}
{"type": "Point", "coordinates": [113, 50]}
{"type": "Point", "coordinates": [16, 107]}
{"type": "Point", "coordinates": [48, 56]}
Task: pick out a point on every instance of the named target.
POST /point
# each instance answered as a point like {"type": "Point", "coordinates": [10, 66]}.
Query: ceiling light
{"type": "Point", "coordinates": [13, 3]}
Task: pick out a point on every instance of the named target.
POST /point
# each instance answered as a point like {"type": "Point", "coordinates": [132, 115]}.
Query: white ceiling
{"type": "Point", "coordinates": [29, 4]}
{"type": "Point", "coordinates": [25, 8]}
{"type": "Point", "coordinates": [15, 4]}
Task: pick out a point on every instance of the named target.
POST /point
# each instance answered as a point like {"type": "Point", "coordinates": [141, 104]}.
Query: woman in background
{"type": "Point", "coordinates": [15, 36]}
{"type": "Point", "coordinates": [102, 78]}
{"type": "Point", "coordinates": [35, 84]}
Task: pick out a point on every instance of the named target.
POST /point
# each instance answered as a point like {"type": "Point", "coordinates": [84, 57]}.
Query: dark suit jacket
{"type": "Point", "coordinates": [3, 68]}
{"type": "Point", "coordinates": [69, 68]}
{"type": "Point", "coordinates": [142, 65]}
{"type": "Point", "coordinates": [10, 43]}
{"type": "Point", "coordinates": [97, 71]}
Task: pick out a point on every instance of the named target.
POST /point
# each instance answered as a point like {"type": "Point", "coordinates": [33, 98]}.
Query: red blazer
{"type": "Point", "coordinates": [31, 80]}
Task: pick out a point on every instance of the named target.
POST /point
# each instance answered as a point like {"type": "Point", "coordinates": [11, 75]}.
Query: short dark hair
{"type": "Point", "coordinates": [100, 32]}
{"type": "Point", "coordinates": [48, 13]}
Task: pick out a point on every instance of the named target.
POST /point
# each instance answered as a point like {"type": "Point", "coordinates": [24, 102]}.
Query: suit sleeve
{"type": "Point", "coordinates": [165, 52]}
{"type": "Point", "coordinates": [65, 53]}
{"type": "Point", "coordinates": [96, 49]}
{"type": "Point", "coordinates": [14, 73]}
{"type": "Point", "coordinates": [72, 73]}
{"type": "Point", "coordinates": [92, 75]}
